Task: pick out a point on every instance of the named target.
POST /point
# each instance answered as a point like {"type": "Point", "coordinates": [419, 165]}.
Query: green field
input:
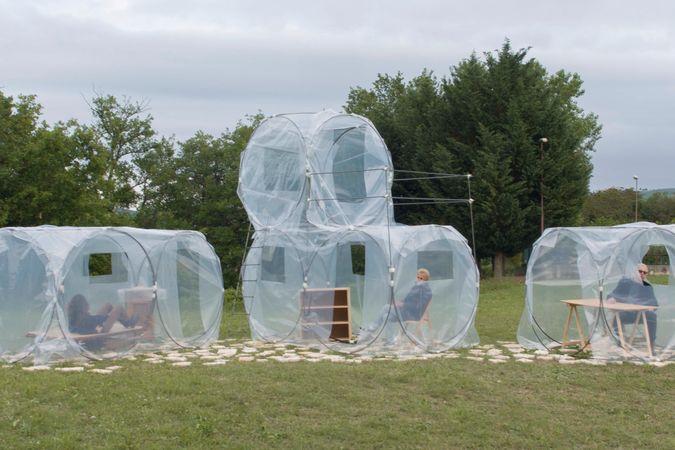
{"type": "Point", "coordinates": [440, 403]}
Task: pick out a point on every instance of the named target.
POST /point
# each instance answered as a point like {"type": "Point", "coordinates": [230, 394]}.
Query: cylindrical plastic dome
{"type": "Point", "coordinates": [342, 297]}
{"type": "Point", "coordinates": [343, 157]}
{"type": "Point", "coordinates": [329, 266]}
{"type": "Point", "coordinates": [67, 291]}
{"type": "Point", "coordinates": [571, 279]}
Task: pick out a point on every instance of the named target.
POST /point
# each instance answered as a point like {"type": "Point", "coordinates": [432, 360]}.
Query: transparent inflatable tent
{"type": "Point", "coordinates": [169, 280]}
{"type": "Point", "coordinates": [583, 291]}
{"type": "Point", "coordinates": [329, 266]}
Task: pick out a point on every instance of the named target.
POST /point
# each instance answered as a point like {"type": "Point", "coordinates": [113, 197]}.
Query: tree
{"type": "Point", "coordinates": [615, 206]}
{"type": "Point", "coordinates": [658, 208]}
{"type": "Point", "coordinates": [406, 115]}
{"type": "Point", "coordinates": [486, 118]}
{"type": "Point", "coordinates": [609, 207]}
{"type": "Point", "coordinates": [18, 122]}
{"type": "Point", "coordinates": [196, 189]}
{"type": "Point", "coordinates": [501, 215]}
{"type": "Point", "coordinates": [46, 175]}
{"type": "Point", "coordinates": [122, 137]}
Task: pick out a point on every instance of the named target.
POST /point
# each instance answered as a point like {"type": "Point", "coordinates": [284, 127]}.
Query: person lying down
{"type": "Point", "coordinates": [82, 322]}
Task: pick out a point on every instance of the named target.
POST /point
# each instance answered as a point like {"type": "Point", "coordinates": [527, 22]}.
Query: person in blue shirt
{"type": "Point", "coordinates": [636, 290]}
{"type": "Point", "coordinates": [416, 301]}
{"type": "Point", "coordinates": [411, 308]}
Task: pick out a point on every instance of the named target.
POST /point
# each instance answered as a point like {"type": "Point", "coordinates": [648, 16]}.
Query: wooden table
{"type": "Point", "coordinates": [618, 308]}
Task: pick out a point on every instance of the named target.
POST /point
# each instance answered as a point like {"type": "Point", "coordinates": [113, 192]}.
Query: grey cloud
{"type": "Point", "coordinates": [206, 64]}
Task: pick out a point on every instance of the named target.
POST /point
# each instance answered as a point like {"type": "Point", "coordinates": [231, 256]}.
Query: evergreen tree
{"type": "Point", "coordinates": [487, 118]}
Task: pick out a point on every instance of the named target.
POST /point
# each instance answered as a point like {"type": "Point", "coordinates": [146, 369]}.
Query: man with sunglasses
{"type": "Point", "coordinates": [637, 291]}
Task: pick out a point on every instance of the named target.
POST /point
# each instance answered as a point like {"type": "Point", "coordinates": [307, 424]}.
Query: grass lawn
{"type": "Point", "coordinates": [440, 403]}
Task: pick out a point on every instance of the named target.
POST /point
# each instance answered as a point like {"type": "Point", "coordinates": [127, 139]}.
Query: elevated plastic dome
{"type": "Point", "coordinates": [329, 169]}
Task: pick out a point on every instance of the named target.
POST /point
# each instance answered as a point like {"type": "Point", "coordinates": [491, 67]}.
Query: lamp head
{"type": "Point", "coordinates": [543, 140]}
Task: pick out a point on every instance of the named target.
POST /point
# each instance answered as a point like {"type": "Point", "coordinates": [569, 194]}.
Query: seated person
{"type": "Point", "coordinates": [638, 291]}
{"type": "Point", "coordinates": [81, 322]}
{"type": "Point", "coordinates": [411, 308]}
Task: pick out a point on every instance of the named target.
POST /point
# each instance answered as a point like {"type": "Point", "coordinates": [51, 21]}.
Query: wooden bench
{"type": "Point", "coordinates": [116, 334]}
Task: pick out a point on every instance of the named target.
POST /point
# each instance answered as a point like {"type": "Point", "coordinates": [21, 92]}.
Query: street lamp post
{"type": "Point", "coordinates": [542, 141]}
{"type": "Point", "coordinates": [635, 177]}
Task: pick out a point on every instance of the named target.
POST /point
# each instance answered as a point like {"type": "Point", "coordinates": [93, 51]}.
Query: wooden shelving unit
{"type": "Point", "coordinates": [323, 309]}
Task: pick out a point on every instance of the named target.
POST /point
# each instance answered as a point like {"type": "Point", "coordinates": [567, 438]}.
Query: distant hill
{"type": "Point", "coordinates": [646, 194]}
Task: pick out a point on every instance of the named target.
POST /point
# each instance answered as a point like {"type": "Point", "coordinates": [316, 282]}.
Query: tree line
{"type": "Point", "coordinates": [615, 206]}
{"type": "Point", "coordinates": [118, 171]}
{"type": "Point", "coordinates": [501, 117]}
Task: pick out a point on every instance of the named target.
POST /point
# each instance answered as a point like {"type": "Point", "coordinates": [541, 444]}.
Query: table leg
{"type": "Point", "coordinates": [649, 341]}
{"type": "Point", "coordinates": [582, 339]}
{"type": "Point", "coordinates": [619, 327]}
{"type": "Point", "coordinates": [566, 329]}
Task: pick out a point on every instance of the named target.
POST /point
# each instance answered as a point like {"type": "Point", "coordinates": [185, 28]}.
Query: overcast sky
{"type": "Point", "coordinates": [205, 64]}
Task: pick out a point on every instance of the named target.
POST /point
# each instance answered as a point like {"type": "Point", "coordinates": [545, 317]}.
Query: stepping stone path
{"type": "Point", "coordinates": [231, 351]}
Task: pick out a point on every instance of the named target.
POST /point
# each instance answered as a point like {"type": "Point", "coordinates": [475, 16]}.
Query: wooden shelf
{"type": "Point", "coordinates": [324, 308]}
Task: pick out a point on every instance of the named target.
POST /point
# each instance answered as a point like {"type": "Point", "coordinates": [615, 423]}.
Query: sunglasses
{"type": "Point", "coordinates": [643, 272]}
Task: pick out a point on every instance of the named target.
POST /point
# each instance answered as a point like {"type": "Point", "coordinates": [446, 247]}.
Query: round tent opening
{"type": "Point", "coordinates": [96, 278]}
{"type": "Point", "coordinates": [347, 285]}
{"type": "Point", "coordinates": [649, 331]}
{"type": "Point", "coordinates": [272, 277]}
{"type": "Point", "coordinates": [189, 289]}
{"type": "Point", "coordinates": [351, 178]}
{"type": "Point", "coordinates": [564, 264]}
{"type": "Point", "coordinates": [447, 321]}
{"type": "Point", "coordinates": [272, 172]}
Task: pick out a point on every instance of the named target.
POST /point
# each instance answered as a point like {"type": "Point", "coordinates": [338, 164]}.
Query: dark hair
{"type": "Point", "coordinates": [78, 308]}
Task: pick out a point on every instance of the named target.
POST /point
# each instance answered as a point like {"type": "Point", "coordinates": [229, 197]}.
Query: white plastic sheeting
{"type": "Point", "coordinates": [317, 188]}
{"type": "Point", "coordinates": [589, 263]}
{"type": "Point", "coordinates": [172, 278]}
